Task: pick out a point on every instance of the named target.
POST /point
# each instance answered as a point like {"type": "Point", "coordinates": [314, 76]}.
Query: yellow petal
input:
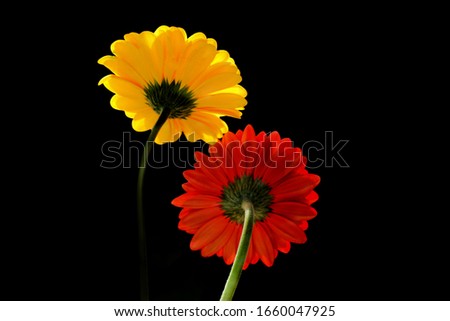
{"type": "Point", "coordinates": [169, 132]}
{"type": "Point", "coordinates": [221, 111]}
{"type": "Point", "coordinates": [203, 126]}
{"type": "Point", "coordinates": [151, 66]}
{"type": "Point", "coordinates": [217, 82]}
{"type": "Point", "coordinates": [168, 47]}
{"type": "Point", "coordinates": [122, 87]}
{"type": "Point", "coordinates": [213, 70]}
{"type": "Point", "coordinates": [128, 104]}
{"type": "Point", "coordinates": [161, 30]}
{"type": "Point", "coordinates": [222, 100]}
{"type": "Point", "coordinates": [130, 114]}
{"type": "Point", "coordinates": [212, 42]}
{"type": "Point", "coordinates": [221, 56]}
{"type": "Point", "coordinates": [144, 120]}
{"type": "Point", "coordinates": [237, 89]}
{"type": "Point", "coordinates": [197, 36]}
{"type": "Point", "coordinates": [123, 70]}
{"type": "Point", "coordinates": [132, 55]}
{"type": "Point", "coordinates": [197, 58]}
{"type": "Point", "coordinates": [154, 66]}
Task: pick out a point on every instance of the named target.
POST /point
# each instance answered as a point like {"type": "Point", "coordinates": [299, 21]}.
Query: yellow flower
{"type": "Point", "coordinates": [187, 75]}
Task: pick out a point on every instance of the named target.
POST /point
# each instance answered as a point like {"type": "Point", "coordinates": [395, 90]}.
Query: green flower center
{"type": "Point", "coordinates": [180, 100]}
{"type": "Point", "coordinates": [246, 187]}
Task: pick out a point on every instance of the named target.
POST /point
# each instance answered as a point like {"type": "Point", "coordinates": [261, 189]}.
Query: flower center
{"type": "Point", "coordinates": [246, 187]}
{"type": "Point", "coordinates": [180, 100]}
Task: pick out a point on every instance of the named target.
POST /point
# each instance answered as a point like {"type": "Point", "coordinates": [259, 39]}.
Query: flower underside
{"type": "Point", "coordinates": [246, 188]}
{"type": "Point", "coordinates": [180, 100]}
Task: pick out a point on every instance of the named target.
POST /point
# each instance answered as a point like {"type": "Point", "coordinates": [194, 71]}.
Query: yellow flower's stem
{"type": "Point", "coordinates": [143, 263]}
{"type": "Point", "coordinates": [242, 251]}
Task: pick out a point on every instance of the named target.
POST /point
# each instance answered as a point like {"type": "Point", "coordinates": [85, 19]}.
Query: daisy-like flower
{"type": "Point", "coordinates": [263, 169]}
{"type": "Point", "coordinates": [188, 77]}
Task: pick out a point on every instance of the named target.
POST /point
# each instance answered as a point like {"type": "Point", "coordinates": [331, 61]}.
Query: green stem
{"type": "Point", "coordinates": [242, 251]}
{"type": "Point", "coordinates": [143, 262]}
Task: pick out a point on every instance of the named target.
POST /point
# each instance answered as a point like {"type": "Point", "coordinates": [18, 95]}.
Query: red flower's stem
{"type": "Point", "coordinates": [143, 262]}
{"type": "Point", "coordinates": [242, 251]}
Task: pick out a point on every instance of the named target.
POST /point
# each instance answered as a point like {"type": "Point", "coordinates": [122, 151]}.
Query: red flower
{"type": "Point", "coordinates": [263, 168]}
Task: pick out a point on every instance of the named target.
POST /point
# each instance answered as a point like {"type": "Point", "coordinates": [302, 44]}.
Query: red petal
{"type": "Point", "coordinates": [239, 134]}
{"type": "Point", "coordinates": [286, 229]}
{"type": "Point", "coordinates": [216, 150]}
{"type": "Point", "coordinates": [202, 183]}
{"type": "Point", "coordinates": [212, 168]}
{"type": "Point", "coordinates": [311, 198]}
{"type": "Point", "coordinates": [217, 244]}
{"type": "Point", "coordinates": [277, 242]}
{"type": "Point", "coordinates": [267, 160]}
{"type": "Point", "coordinates": [194, 200]}
{"type": "Point", "coordinates": [193, 219]}
{"type": "Point", "coordinates": [274, 174]}
{"type": "Point", "coordinates": [274, 136]}
{"type": "Point", "coordinates": [263, 245]}
{"type": "Point", "coordinates": [303, 225]}
{"type": "Point", "coordinates": [294, 211]}
{"type": "Point", "coordinates": [229, 251]}
{"type": "Point", "coordinates": [294, 187]}
{"type": "Point", "coordinates": [254, 256]}
{"type": "Point", "coordinates": [206, 161]}
{"type": "Point", "coordinates": [248, 134]}
{"type": "Point", "coordinates": [251, 158]}
{"type": "Point", "coordinates": [260, 136]}
{"type": "Point", "coordinates": [209, 232]}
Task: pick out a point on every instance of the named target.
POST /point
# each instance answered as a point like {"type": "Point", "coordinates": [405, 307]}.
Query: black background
{"type": "Point", "coordinates": [71, 231]}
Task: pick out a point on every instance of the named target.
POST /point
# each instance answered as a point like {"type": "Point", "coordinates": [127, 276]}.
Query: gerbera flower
{"type": "Point", "coordinates": [186, 76]}
{"type": "Point", "coordinates": [263, 169]}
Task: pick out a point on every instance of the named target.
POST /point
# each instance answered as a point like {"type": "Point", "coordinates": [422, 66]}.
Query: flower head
{"type": "Point", "coordinates": [167, 69]}
{"type": "Point", "coordinates": [264, 169]}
